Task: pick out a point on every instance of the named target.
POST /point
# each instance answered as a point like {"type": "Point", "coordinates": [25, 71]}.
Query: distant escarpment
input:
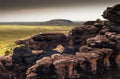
{"type": "Point", "coordinates": [86, 51]}
{"type": "Point", "coordinates": [54, 22]}
{"type": "Point", "coordinates": [58, 22]}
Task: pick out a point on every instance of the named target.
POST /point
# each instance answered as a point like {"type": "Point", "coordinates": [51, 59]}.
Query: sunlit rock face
{"type": "Point", "coordinates": [100, 41]}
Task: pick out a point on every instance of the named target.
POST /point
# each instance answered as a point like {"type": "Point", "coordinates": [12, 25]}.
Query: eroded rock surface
{"type": "Point", "coordinates": [87, 50]}
{"type": "Point", "coordinates": [78, 35]}
{"type": "Point", "coordinates": [44, 41]}
{"type": "Point", "coordinates": [113, 13]}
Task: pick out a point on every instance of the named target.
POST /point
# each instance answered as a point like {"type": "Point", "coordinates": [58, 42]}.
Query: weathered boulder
{"type": "Point", "coordinates": [44, 41]}
{"type": "Point", "coordinates": [100, 41]}
{"type": "Point", "coordinates": [43, 69]}
{"type": "Point", "coordinates": [112, 26]}
{"type": "Point", "coordinates": [9, 70]}
{"type": "Point", "coordinates": [78, 35]}
{"type": "Point", "coordinates": [23, 55]}
{"type": "Point", "coordinates": [113, 13]}
{"type": "Point", "coordinates": [65, 65]}
{"type": "Point", "coordinates": [90, 63]}
{"type": "Point", "coordinates": [24, 41]}
{"type": "Point", "coordinates": [93, 55]}
{"type": "Point", "coordinates": [22, 51]}
{"type": "Point", "coordinates": [113, 36]}
{"type": "Point", "coordinates": [90, 23]}
{"type": "Point", "coordinates": [49, 37]}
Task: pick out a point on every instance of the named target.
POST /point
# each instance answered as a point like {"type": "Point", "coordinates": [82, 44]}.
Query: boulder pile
{"type": "Point", "coordinates": [86, 51]}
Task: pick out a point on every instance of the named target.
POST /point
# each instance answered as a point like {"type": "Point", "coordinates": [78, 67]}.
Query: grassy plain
{"type": "Point", "coordinates": [10, 33]}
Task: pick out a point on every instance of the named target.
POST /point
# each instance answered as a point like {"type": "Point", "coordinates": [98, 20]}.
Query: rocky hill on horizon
{"type": "Point", "coordinates": [53, 22]}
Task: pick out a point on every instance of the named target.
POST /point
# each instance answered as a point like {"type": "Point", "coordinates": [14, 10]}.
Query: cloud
{"type": "Point", "coordinates": [20, 4]}
{"type": "Point", "coordinates": [43, 10]}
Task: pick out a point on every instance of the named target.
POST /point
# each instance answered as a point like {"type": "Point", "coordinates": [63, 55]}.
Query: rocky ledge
{"type": "Point", "coordinates": [87, 50]}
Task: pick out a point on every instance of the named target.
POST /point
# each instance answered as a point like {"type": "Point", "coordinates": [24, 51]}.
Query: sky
{"type": "Point", "coordinates": [44, 10]}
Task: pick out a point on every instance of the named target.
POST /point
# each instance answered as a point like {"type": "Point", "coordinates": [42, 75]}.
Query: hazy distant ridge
{"type": "Point", "coordinates": [54, 22]}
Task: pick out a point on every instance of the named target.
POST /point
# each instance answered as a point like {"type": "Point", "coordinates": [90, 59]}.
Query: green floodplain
{"type": "Point", "coordinates": [11, 33]}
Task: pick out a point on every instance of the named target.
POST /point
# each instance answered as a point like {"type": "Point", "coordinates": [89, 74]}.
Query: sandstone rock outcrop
{"type": "Point", "coordinates": [100, 41]}
{"type": "Point", "coordinates": [44, 41]}
{"type": "Point", "coordinates": [87, 50]}
{"type": "Point", "coordinates": [113, 13]}
{"type": "Point", "coordinates": [78, 35]}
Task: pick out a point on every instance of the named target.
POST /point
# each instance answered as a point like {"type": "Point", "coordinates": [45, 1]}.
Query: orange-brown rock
{"type": "Point", "coordinates": [100, 41]}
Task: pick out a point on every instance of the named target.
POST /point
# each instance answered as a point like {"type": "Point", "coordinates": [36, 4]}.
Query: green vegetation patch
{"type": "Point", "coordinates": [10, 33]}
